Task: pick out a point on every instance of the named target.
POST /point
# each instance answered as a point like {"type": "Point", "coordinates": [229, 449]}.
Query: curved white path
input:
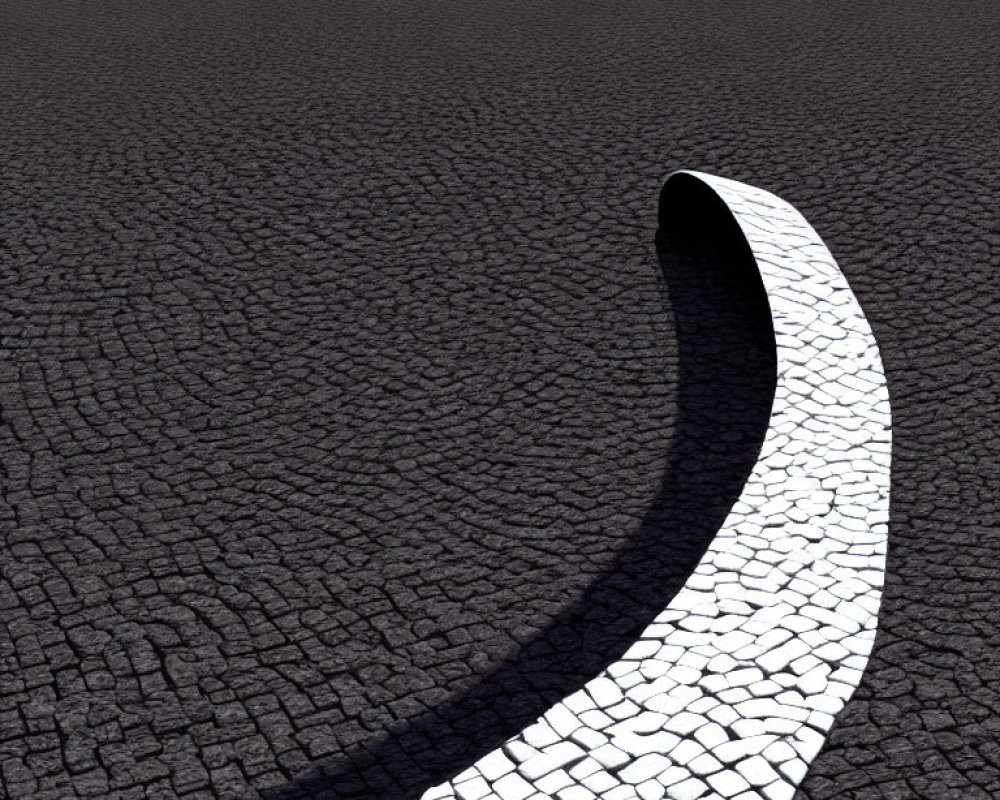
{"type": "Point", "coordinates": [732, 689]}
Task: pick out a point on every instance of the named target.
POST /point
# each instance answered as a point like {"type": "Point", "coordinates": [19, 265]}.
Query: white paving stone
{"type": "Point", "coordinates": [757, 771]}
{"type": "Point", "coordinates": [555, 781]}
{"type": "Point", "coordinates": [728, 783]}
{"type": "Point", "coordinates": [552, 758]}
{"type": "Point", "coordinates": [513, 787]}
{"type": "Point", "coordinates": [691, 789]}
{"type": "Point", "coordinates": [494, 764]}
{"type": "Point", "coordinates": [644, 768]}
{"type": "Point", "coordinates": [650, 790]}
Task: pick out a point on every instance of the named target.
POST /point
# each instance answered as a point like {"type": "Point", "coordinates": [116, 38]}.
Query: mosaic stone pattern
{"type": "Point", "coordinates": [731, 691]}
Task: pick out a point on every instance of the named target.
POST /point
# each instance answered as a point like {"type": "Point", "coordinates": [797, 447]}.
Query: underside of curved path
{"type": "Point", "coordinates": [730, 692]}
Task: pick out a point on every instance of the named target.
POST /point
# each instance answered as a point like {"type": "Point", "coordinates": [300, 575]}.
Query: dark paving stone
{"type": "Point", "coordinates": [341, 375]}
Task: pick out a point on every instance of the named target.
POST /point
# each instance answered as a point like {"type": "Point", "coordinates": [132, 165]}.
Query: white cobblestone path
{"type": "Point", "coordinates": [730, 692]}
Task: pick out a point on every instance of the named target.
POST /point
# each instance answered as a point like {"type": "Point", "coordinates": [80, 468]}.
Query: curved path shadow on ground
{"type": "Point", "coordinates": [726, 384]}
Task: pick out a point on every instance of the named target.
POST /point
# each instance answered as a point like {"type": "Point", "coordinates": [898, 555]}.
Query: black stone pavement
{"type": "Point", "coordinates": [352, 409]}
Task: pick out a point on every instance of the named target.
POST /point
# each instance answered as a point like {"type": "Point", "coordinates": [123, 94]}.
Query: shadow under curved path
{"type": "Point", "coordinates": [726, 384]}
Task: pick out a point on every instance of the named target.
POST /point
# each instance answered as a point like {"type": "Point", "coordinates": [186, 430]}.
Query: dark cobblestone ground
{"type": "Point", "coordinates": [348, 418]}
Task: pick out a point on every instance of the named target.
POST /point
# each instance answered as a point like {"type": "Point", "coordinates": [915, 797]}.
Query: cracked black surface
{"type": "Point", "coordinates": [340, 372]}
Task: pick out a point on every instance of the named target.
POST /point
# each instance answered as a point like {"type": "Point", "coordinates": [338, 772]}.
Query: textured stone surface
{"type": "Point", "coordinates": [340, 379]}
